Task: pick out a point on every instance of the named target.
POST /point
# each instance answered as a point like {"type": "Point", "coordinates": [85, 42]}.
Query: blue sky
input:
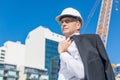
{"type": "Point", "coordinates": [19, 17]}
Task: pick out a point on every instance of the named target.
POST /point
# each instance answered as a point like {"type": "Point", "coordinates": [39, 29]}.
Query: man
{"type": "Point", "coordinates": [82, 56]}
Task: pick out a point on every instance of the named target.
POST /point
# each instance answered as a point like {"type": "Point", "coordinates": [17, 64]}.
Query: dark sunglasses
{"type": "Point", "coordinates": [68, 21]}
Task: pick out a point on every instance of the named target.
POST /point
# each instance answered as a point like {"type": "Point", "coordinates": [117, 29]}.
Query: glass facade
{"type": "Point", "coordinates": [51, 54]}
{"type": "Point", "coordinates": [54, 66]}
{"type": "Point", "coordinates": [35, 74]}
{"type": "Point", "coordinates": [8, 72]}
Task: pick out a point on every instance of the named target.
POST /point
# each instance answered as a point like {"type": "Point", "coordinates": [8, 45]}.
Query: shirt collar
{"type": "Point", "coordinates": [74, 34]}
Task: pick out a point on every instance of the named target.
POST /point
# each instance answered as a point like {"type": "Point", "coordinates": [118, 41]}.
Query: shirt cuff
{"type": "Point", "coordinates": [65, 56]}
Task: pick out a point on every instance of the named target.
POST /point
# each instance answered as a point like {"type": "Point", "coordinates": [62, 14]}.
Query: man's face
{"type": "Point", "coordinates": [69, 26]}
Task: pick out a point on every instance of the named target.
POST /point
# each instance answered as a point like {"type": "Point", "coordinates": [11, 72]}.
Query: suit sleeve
{"type": "Point", "coordinates": [104, 57]}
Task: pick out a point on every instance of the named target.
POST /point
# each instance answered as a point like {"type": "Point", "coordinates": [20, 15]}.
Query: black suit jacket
{"type": "Point", "coordinates": [96, 63]}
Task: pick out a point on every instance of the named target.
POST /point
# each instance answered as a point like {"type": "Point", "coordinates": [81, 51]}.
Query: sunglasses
{"type": "Point", "coordinates": [68, 20]}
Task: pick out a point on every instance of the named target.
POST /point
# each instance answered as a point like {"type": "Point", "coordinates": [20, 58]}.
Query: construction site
{"type": "Point", "coordinates": [38, 55]}
{"type": "Point", "coordinates": [103, 27]}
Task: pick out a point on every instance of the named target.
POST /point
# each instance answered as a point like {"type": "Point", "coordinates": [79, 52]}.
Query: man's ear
{"type": "Point", "coordinates": [78, 25]}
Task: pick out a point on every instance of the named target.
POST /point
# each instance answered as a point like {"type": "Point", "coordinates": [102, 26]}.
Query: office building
{"type": "Point", "coordinates": [14, 53]}
{"type": "Point", "coordinates": [11, 56]}
{"type": "Point", "coordinates": [37, 59]}
{"type": "Point", "coordinates": [8, 72]}
{"type": "Point", "coordinates": [41, 47]}
{"type": "Point", "coordinates": [12, 64]}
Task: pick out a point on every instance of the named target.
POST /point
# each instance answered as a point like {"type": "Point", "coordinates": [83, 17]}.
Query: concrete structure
{"type": "Point", "coordinates": [34, 60]}
{"type": "Point", "coordinates": [14, 53]}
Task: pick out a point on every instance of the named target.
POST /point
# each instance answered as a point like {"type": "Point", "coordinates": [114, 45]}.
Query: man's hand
{"type": "Point", "coordinates": [63, 45]}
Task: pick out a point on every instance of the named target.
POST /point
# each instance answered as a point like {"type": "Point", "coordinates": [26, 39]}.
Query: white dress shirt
{"type": "Point", "coordinates": [71, 65]}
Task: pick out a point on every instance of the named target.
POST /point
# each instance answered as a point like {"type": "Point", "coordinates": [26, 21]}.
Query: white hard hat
{"type": "Point", "coordinates": [70, 12]}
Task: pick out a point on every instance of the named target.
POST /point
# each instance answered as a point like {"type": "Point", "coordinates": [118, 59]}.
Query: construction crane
{"type": "Point", "coordinates": [104, 20]}
{"type": "Point", "coordinates": [116, 2]}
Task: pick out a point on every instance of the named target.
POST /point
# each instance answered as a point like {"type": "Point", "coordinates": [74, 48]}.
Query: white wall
{"type": "Point", "coordinates": [35, 46]}
{"type": "Point", "coordinates": [15, 52]}
{"type": "Point", "coordinates": [35, 49]}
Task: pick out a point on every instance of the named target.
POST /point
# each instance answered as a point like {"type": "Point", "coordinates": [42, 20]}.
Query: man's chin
{"type": "Point", "coordinates": [66, 34]}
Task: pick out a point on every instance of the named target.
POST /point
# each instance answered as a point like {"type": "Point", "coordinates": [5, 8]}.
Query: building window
{"type": "Point", "coordinates": [1, 60]}
{"type": "Point", "coordinates": [12, 73]}
{"type": "Point", "coordinates": [1, 78]}
{"type": "Point", "coordinates": [1, 72]}
{"type": "Point", "coordinates": [2, 50]}
{"type": "Point", "coordinates": [50, 52]}
{"type": "Point", "coordinates": [34, 74]}
{"type": "Point", "coordinates": [3, 54]}
{"type": "Point", "coordinates": [2, 57]}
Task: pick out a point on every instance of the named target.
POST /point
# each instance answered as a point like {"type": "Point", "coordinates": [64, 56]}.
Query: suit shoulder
{"type": "Point", "coordinates": [89, 35]}
{"type": "Point", "coordinates": [88, 38]}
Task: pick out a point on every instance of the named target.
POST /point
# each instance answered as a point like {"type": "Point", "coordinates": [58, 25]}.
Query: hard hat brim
{"type": "Point", "coordinates": [59, 17]}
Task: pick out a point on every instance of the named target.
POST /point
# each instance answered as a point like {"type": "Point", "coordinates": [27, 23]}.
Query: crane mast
{"type": "Point", "coordinates": [104, 20]}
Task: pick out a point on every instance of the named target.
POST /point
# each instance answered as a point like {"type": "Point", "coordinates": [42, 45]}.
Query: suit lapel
{"type": "Point", "coordinates": [81, 48]}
